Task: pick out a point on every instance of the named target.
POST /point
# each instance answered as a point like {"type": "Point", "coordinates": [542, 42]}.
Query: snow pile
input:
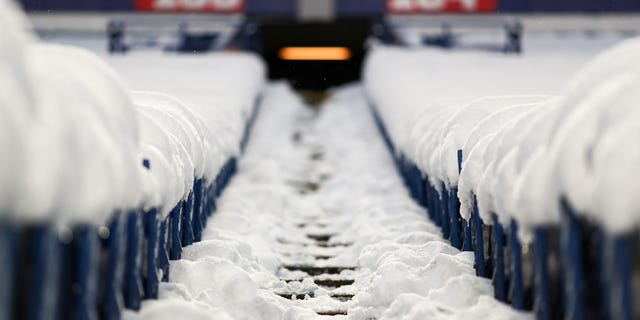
{"type": "Point", "coordinates": [77, 159]}
{"type": "Point", "coordinates": [521, 153]}
{"type": "Point", "coordinates": [74, 137]}
{"type": "Point", "coordinates": [169, 146]}
{"type": "Point", "coordinates": [441, 307]}
{"type": "Point", "coordinates": [15, 100]}
{"type": "Point", "coordinates": [193, 110]}
{"type": "Point", "coordinates": [447, 131]}
{"type": "Point", "coordinates": [590, 130]}
{"type": "Point", "coordinates": [474, 152]}
{"type": "Point", "coordinates": [404, 267]}
{"type": "Point", "coordinates": [85, 116]}
{"type": "Point", "coordinates": [403, 83]}
{"type": "Point", "coordinates": [221, 87]}
{"type": "Point", "coordinates": [559, 150]}
{"type": "Point", "coordinates": [193, 127]}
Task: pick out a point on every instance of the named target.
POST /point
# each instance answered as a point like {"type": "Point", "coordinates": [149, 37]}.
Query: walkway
{"type": "Point", "coordinates": [317, 224]}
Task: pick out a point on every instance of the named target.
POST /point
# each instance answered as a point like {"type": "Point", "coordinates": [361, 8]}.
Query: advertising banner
{"type": "Point", "coordinates": [437, 6]}
{"type": "Point", "coordinates": [213, 6]}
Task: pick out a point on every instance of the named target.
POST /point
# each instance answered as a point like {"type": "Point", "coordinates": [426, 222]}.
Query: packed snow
{"type": "Point", "coordinates": [321, 171]}
{"type": "Point", "coordinates": [532, 128]}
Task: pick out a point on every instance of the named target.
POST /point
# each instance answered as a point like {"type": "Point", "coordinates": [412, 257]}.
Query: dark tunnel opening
{"type": "Point", "coordinates": [314, 72]}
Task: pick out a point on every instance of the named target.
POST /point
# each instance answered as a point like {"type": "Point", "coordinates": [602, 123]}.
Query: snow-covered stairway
{"type": "Point", "coordinates": [318, 224]}
{"type": "Point", "coordinates": [307, 265]}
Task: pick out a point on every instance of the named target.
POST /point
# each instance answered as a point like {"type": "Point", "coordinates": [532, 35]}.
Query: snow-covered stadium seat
{"type": "Point", "coordinates": [555, 175]}
{"type": "Point", "coordinates": [14, 106]}
{"type": "Point", "coordinates": [95, 177]}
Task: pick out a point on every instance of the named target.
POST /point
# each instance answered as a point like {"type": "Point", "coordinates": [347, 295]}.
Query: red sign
{"type": "Point", "coordinates": [436, 6]}
{"type": "Point", "coordinates": [217, 6]}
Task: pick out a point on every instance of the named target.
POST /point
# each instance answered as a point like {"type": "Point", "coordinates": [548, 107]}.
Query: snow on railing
{"type": "Point", "coordinates": [99, 186]}
{"type": "Point", "coordinates": [542, 188]}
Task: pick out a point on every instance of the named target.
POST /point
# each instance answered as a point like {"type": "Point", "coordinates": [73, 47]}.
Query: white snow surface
{"type": "Point", "coordinates": [73, 135]}
{"type": "Point", "coordinates": [83, 143]}
{"type": "Point", "coordinates": [595, 118]}
{"type": "Point", "coordinates": [474, 149]}
{"type": "Point", "coordinates": [15, 99]}
{"type": "Point", "coordinates": [532, 129]}
{"type": "Point", "coordinates": [202, 103]}
{"type": "Point", "coordinates": [73, 157]}
{"type": "Point", "coordinates": [405, 270]}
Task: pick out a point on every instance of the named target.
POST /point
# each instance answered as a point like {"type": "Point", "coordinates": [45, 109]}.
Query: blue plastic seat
{"type": "Point", "coordinates": [132, 285]}
{"type": "Point", "coordinates": [176, 231]}
{"type": "Point", "coordinates": [433, 203]}
{"type": "Point", "coordinates": [443, 201]}
{"type": "Point", "coordinates": [516, 278]}
{"type": "Point", "coordinates": [479, 244]}
{"type": "Point", "coordinates": [164, 247]}
{"type": "Point", "coordinates": [187, 221]}
{"type": "Point", "coordinates": [86, 246]}
{"type": "Point", "coordinates": [571, 247]}
{"type": "Point", "coordinates": [498, 278]}
{"type": "Point", "coordinates": [112, 269]}
{"type": "Point", "coordinates": [9, 256]}
{"type": "Point", "coordinates": [547, 288]}
{"type": "Point", "coordinates": [38, 281]}
{"type": "Point", "coordinates": [198, 223]}
{"type": "Point", "coordinates": [454, 216]}
{"type": "Point", "coordinates": [211, 196]}
{"type": "Point", "coordinates": [152, 236]}
{"type": "Point", "coordinates": [82, 289]}
{"type": "Point", "coordinates": [467, 236]}
{"type": "Point", "coordinates": [619, 268]}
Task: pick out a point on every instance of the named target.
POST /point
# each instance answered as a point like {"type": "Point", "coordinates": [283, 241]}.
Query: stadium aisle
{"type": "Point", "coordinates": [317, 224]}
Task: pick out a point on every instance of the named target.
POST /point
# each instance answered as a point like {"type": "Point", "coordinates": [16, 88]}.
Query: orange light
{"type": "Point", "coordinates": [315, 53]}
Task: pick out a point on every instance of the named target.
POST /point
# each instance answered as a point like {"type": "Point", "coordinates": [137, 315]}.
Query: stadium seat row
{"type": "Point", "coordinates": [544, 188]}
